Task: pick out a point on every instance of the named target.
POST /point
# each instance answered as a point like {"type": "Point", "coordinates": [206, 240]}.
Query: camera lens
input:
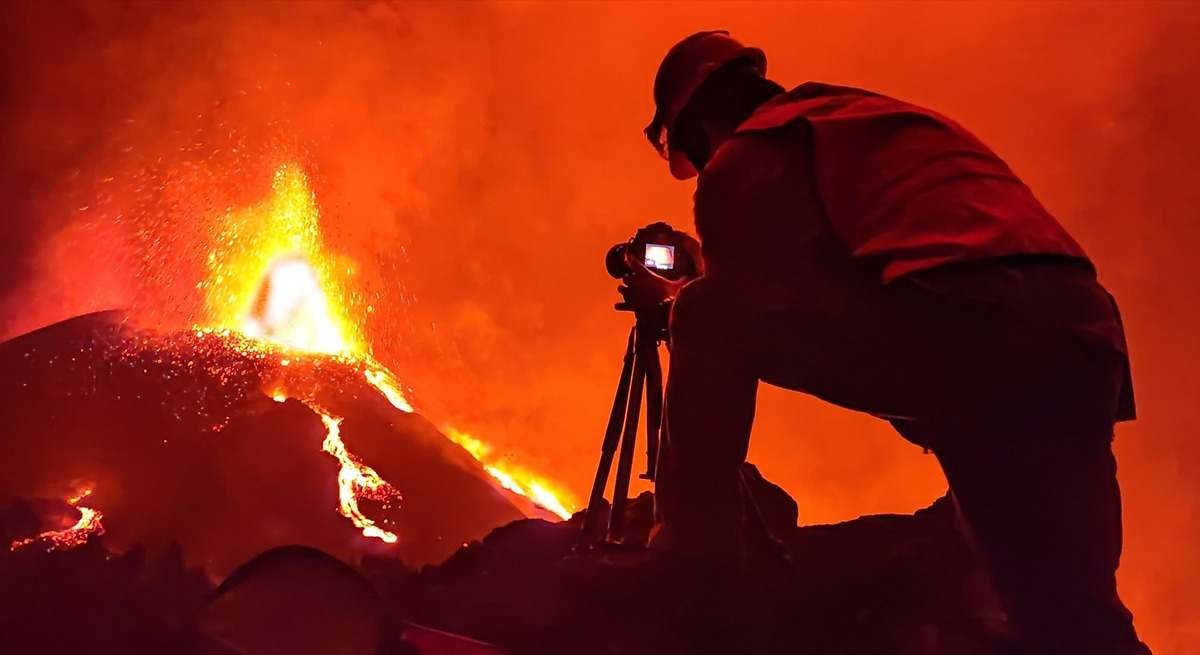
{"type": "Point", "coordinates": [615, 262]}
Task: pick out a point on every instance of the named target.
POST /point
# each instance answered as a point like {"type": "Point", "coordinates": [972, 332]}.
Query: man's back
{"type": "Point", "coordinates": [900, 187]}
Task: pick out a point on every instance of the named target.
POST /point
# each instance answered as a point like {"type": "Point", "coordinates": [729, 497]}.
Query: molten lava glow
{"type": "Point", "coordinates": [291, 309]}
{"type": "Point", "coordinates": [88, 524]}
{"type": "Point", "coordinates": [515, 479]}
{"type": "Point", "coordinates": [271, 280]}
{"type": "Point", "coordinates": [269, 276]}
{"type": "Point", "coordinates": [382, 380]}
{"type": "Point", "coordinates": [356, 480]}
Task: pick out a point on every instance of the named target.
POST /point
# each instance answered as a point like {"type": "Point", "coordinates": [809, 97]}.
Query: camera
{"type": "Point", "coordinates": [659, 247]}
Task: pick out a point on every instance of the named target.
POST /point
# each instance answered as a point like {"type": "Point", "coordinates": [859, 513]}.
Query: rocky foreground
{"type": "Point", "coordinates": [877, 584]}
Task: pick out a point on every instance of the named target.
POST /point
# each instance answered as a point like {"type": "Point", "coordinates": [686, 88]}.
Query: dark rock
{"type": "Point", "coordinates": [778, 510]}
{"type": "Point", "coordinates": [878, 584]}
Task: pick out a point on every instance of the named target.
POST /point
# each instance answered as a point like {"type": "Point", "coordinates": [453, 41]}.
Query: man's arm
{"type": "Point", "coordinates": [758, 213]}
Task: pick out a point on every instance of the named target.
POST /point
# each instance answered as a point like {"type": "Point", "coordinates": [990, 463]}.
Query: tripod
{"type": "Point", "coordinates": [641, 372]}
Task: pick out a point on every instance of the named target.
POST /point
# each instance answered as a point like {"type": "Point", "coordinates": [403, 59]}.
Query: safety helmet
{"type": "Point", "coordinates": [680, 74]}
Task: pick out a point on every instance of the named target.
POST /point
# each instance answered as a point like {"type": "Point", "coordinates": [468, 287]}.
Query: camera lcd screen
{"type": "Point", "coordinates": [660, 257]}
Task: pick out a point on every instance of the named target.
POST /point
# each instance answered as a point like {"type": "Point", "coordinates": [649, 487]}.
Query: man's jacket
{"type": "Point", "coordinates": [908, 187]}
{"type": "Point", "coordinates": [827, 178]}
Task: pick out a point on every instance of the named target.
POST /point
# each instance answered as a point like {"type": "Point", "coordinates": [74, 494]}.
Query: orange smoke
{"type": "Point", "coordinates": [475, 183]}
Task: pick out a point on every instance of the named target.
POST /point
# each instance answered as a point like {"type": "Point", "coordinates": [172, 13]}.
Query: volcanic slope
{"type": "Point", "coordinates": [224, 446]}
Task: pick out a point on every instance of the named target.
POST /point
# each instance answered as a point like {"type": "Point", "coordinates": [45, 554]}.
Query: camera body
{"type": "Point", "coordinates": [662, 249]}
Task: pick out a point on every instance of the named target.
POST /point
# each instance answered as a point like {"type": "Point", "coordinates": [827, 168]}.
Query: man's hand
{"type": "Point", "coordinates": [643, 290]}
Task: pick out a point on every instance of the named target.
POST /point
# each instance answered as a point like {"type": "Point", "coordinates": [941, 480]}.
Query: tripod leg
{"type": "Point", "coordinates": [628, 441]}
{"type": "Point", "coordinates": [612, 436]}
{"type": "Point", "coordinates": [654, 404]}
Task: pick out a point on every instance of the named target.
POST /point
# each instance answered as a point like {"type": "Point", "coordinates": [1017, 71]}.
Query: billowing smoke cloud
{"type": "Point", "coordinates": [473, 162]}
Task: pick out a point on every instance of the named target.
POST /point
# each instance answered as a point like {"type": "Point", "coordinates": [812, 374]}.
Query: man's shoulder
{"type": "Point", "coordinates": [816, 101]}
{"type": "Point", "coordinates": [753, 160]}
{"type": "Point", "coordinates": [766, 140]}
{"type": "Point", "coordinates": [812, 89]}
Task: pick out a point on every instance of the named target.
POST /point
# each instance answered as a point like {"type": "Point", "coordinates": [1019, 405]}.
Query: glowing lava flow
{"type": "Point", "coordinates": [356, 479]}
{"type": "Point", "coordinates": [382, 380]}
{"type": "Point", "coordinates": [270, 280]}
{"type": "Point", "coordinates": [88, 524]}
{"type": "Point", "coordinates": [516, 480]}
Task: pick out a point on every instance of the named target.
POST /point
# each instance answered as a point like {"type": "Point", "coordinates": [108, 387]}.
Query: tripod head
{"type": "Point", "coordinates": [650, 323]}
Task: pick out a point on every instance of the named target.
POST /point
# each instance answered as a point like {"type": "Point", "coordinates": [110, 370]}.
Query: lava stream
{"type": "Point", "coordinates": [356, 479]}
{"type": "Point", "coordinates": [515, 479]}
{"type": "Point", "coordinates": [88, 524]}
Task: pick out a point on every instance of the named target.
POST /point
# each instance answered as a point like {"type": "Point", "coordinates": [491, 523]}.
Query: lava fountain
{"type": "Point", "coordinates": [271, 280]}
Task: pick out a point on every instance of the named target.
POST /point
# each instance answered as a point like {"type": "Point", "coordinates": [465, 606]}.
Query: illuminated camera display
{"type": "Point", "coordinates": [657, 248]}
{"type": "Point", "coordinates": [659, 257]}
